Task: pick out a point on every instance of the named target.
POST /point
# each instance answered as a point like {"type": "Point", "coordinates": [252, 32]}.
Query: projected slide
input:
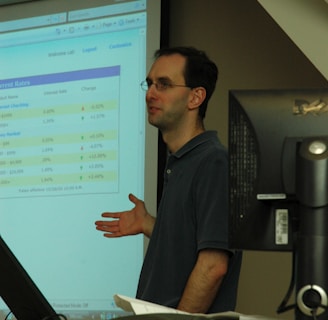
{"type": "Point", "coordinates": [72, 145]}
{"type": "Point", "coordinates": [79, 151]}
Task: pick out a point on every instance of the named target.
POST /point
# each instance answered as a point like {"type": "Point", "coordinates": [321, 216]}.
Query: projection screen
{"type": "Point", "coordinates": [74, 143]}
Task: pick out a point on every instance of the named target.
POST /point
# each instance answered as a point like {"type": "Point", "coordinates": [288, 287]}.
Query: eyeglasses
{"type": "Point", "coordinates": [161, 85]}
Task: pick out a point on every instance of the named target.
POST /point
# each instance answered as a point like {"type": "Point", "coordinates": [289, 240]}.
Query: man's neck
{"type": "Point", "coordinates": [176, 140]}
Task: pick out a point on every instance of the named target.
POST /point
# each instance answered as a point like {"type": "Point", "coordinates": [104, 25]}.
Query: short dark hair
{"type": "Point", "coordinates": [199, 71]}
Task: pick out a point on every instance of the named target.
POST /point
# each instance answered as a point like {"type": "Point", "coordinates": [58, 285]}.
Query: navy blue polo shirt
{"type": "Point", "coordinates": [192, 215]}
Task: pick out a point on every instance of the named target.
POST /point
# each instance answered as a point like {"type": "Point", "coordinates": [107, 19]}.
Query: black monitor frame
{"type": "Point", "coordinates": [265, 129]}
{"type": "Point", "coordinates": [19, 292]}
{"type": "Point", "coordinates": [278, 185]}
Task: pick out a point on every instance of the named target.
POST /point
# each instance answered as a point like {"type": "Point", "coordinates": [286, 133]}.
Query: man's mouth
{"type": "Point", "coordinates": [152, 109]}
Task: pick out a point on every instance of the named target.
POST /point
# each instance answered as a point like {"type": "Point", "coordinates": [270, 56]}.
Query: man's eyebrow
{"type": "Point", "coordinates": [163, 78]}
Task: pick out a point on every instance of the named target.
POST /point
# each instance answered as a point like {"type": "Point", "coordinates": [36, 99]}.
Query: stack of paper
{"type": "Point", "coordinates": [146, 310]}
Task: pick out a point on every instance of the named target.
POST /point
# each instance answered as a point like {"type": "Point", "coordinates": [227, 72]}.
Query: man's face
{"type": "Point", "coordinates": [167, 108]}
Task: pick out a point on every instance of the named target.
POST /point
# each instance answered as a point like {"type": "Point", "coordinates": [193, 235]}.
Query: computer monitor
{"type": "Point", "coordinates": [278, 182]}
{"type": "Point", "coordinates": [18, 290]}
{"type": "Point", "coordinates": [266, 128]}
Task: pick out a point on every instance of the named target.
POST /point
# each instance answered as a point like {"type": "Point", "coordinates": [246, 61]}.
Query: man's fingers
{"type": "Point", "coordinates": [115, 215]}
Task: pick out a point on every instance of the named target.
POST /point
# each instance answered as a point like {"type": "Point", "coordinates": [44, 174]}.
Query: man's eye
{"type": "Point", "coordinates": [164, 84]}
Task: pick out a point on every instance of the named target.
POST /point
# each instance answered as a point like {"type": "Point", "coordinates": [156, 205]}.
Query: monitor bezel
{"type": "Point", "coordinates": [17, 289]}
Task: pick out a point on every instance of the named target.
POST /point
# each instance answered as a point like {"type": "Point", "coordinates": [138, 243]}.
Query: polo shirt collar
{"type": "Point", "coordinates": [194, 142]}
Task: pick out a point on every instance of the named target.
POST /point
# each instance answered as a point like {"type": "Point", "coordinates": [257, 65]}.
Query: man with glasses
{"type": "Point", "coordinates": [188, 264]}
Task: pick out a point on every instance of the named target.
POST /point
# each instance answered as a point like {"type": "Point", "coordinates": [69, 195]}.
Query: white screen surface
{"type": "Point", "coordinates": [72, 135]}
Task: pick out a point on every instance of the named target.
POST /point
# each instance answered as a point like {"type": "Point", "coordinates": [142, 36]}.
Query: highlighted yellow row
{"type": "Point", "coordinates": [105, 176]}
{"type": "Point", "coordinates": [34, 112]}
{"type": "Point", "coordinates": [58, 159]}
{"type": "Point", "coordinates": [96, 136]}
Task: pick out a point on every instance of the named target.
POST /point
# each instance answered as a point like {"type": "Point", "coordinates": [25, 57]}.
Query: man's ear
{"type": "Point", "coordinates": [197, 96]}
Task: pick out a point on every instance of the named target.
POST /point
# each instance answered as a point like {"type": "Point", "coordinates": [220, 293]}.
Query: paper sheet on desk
{"type": "Point", "coordinates": [139, 307]}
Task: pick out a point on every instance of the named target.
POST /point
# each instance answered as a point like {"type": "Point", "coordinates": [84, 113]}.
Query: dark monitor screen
{"type": "Point", "coordinates": [18, 290]}
{"type": "Point", "coordinates": [266, 128]}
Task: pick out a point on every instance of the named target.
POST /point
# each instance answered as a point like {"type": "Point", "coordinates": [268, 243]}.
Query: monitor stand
{"type": "Point", "coordinates": [312, 239]}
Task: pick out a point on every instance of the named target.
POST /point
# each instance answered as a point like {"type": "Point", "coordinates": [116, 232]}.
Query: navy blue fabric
{"type": "Point", "coordinates": [192, 215]}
